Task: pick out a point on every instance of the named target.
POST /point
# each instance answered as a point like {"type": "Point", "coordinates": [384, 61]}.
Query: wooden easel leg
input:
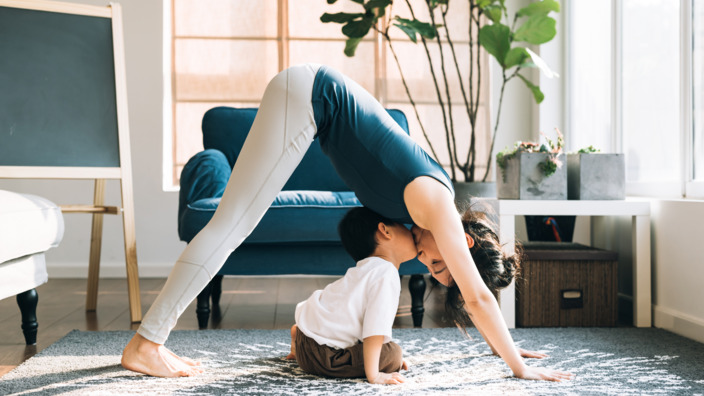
{"type": "Point", "coordinates": [131, 251]}
{"type": "Point", "coordinates": [96, 238]}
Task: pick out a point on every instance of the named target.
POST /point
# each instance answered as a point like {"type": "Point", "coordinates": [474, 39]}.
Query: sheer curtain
{"type": "Point", "coordinates": [224, 52]}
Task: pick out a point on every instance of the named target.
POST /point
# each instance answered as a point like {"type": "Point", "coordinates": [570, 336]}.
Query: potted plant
{"type": "Point", "coordinates": [595, 175]}
{"type": "Point", "coordinates": [532, 171]}
{"type": "Point", "coordinates": [490, 27]}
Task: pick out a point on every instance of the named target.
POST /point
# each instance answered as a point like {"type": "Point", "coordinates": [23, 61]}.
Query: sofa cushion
{"type": "Point", "coordinates": [28, 224]}
{"type": "Point", "coordinates": [294, 216]}
{"type": "Point", "coordinates": [225, 129]}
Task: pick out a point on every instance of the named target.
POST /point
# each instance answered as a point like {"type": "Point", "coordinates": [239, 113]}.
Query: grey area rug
{"type": "Point", "coordinates": [618, 361]}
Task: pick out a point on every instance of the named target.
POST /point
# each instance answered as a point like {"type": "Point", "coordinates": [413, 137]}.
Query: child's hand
{"type": "Point", "coordinates": [393, 378]}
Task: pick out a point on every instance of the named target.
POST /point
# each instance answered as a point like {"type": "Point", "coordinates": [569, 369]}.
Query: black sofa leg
{"type": "Point", "coordinates": [203, 307]}
{"type": "Point", "coordinates": [212, 291]}
{"type": "Point", "coordinates": [27, 302]}
{"type": "Point", "coordinates": [215, 293]}
{"type": "Point", "coordinates": [417, 287]}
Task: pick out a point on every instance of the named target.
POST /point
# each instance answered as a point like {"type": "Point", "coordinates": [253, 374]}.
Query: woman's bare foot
{"type": "Point", "coordinates": [144, 356]}
{"type": "Point", "coordinates": [292, 355]}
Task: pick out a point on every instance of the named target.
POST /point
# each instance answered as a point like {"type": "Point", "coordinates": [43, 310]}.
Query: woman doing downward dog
{"type": "Point", "coordinates": [386, 169]}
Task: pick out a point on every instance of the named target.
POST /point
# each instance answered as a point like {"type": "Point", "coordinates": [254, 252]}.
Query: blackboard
{"type": "Point", "coordinates": [57, 90]}
{"type": "Point", "coordinates": [63, 112]}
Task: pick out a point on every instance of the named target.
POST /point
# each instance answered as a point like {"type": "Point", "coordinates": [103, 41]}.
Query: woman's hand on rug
{"type": "Point", "coordinates": [531, 354]}
{"type": "Point", "coordinates": [391, 379]}
{"type": "Point", "coordinates": [526, 353]}
{"type": "Point", "coordinates": [545, 374]}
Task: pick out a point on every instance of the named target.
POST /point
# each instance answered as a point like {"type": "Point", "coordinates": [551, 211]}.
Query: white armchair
{"type": "Point", "coordinates": [29, 226]}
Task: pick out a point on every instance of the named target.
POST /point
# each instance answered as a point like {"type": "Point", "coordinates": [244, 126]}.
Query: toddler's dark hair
{"type": "Point", "coordinates": [495, 267]}
{"type": "Point", "coordinates": [357, 231]}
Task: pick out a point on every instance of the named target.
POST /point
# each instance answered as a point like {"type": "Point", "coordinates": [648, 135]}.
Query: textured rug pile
{"type": "Point", "coordinates": [618, 361]}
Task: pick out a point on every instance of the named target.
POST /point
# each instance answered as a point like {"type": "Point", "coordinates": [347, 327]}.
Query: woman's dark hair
{"type": "Point", "coordinates": [358, 231]}
{"type": "Point", "coordinates": [495, 267]}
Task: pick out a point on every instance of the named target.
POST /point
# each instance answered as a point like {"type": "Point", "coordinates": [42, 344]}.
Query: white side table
{"type": "Point", "coordinates": [507, 210]}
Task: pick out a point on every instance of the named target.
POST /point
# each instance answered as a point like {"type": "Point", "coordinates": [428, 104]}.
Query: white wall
{"type": "Point", "coordinates": [678, 266]}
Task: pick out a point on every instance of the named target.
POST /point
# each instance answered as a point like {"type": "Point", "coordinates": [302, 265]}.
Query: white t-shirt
{"type": "Point", "coordinates": [361, 304]}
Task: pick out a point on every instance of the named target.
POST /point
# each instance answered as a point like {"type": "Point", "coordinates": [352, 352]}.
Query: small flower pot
{"type": "Point", "coordinates": [596, 176]}
{"type": "Point", "coordinates": [524, 178]}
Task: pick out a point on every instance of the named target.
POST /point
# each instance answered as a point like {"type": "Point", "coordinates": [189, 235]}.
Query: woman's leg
{"type": "Point", "coordinates": [280, 136]}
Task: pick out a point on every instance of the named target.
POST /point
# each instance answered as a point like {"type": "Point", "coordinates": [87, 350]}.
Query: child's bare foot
{"type": "Point", "coordinates": [292, 355]}
{"type": "Point", "coordinates": [144, 356]}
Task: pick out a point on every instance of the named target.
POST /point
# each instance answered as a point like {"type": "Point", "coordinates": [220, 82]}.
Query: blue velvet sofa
{"type": "Point", "coordinates": [297, 235]}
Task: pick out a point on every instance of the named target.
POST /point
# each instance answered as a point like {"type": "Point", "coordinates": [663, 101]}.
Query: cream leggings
{"type": "Point", "coordinates": [280, 136]}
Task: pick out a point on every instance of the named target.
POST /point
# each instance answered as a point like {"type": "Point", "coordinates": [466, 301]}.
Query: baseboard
{"type": "Point", "coordinates": [107, 270]}
{"type": "Point", "coordinates": [679, 323]}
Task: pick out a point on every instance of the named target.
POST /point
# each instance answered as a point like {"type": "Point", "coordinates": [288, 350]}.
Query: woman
{"type": "Point", "coordinates": [389, 173]}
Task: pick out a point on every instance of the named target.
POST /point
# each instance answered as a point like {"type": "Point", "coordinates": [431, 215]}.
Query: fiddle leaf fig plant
{"type": "Point", "coordinates": [506, 39]}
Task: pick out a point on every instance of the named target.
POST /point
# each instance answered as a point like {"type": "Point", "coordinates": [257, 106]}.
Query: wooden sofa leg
{"type": "Point", "coordinates": [27, 302]}
{"type": "Point", "coordinates": [203, 307]}
{"type": "Point", "coordinates": [417, 287]}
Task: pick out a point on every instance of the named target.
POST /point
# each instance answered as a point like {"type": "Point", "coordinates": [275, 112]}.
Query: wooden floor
{"type": "Point", "coordinates": [246, 303]}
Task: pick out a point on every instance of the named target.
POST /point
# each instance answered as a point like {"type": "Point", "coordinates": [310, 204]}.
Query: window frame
{"type": "Point", "coordinates": [686, 186]}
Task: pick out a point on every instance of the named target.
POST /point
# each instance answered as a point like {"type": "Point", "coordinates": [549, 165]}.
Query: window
{"type": "Point", "coordinates": [650, 78]}
{"type": "Point", "coordinates": [636, 87]}
{"type": "Point", "coordinates": [698, 89]}
{"type": "Point", "coordinates": [591, 83]}
{"type": "Point", "coordinates": [225, 52]}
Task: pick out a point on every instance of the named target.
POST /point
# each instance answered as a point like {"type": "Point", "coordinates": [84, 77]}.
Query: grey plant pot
{"type": "Point", "coordinates": [524, 179]}
{"type": "Point", "coordinates": [596, 176]}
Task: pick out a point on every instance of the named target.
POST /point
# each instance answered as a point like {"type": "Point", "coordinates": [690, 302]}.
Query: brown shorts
{"type": "Point", "coordinates": [345, 363]}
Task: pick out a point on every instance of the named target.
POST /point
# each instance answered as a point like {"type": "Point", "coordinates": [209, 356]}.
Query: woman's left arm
{"type": "Point", "coordinates": [432, 207]}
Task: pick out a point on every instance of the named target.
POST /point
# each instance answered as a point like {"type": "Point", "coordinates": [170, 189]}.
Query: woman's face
{"type": "Point", "coordinates": [429, 255]}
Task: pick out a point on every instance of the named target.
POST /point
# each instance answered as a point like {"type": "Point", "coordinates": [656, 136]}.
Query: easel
{"type": "Point", "coordinates": [123, 172]}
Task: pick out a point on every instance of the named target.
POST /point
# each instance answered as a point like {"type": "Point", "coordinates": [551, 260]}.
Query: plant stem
{"type": "Point", "coordinates": [440, 101]}
{"type": "Point", "coordinates": [472, 117]}
{"type": "Point", "coordinates": [408, 93]}
{"type": "Point", "coordinates": [498, 117]}
{"type": "Point", "coordinates": [453, 152]}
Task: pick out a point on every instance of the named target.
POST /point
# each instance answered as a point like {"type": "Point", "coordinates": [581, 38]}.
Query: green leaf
{"type": "Point", "coordinates": [538, 29]}
{"type": "Point", "coordinates": [357, 29]}
{"type": "Point", "coordinates": [539, 8]}
{"type": "Point", "coordinates": [516, 56]}
{"type": "Point", "coordinates": [340, 17]}
{"type": "Point", "coordinates": [351, 46]}
{"type": "Point", "coordinates": [410, 32]}
{"type": "Point", "coordinates": [332, 1]}
{"type": "Point", "coordinates": [496, 40]}
{"type": "Point", "coordinates": [493, 12]}
{"type": "Point", "coordinates": [537, 93]}
{"type": "Point", "coordinates": [414, 26]}
{"type": "Point", "coordinates": [538, 62]}
{"type": "Point", "coordinates": [377, 4]}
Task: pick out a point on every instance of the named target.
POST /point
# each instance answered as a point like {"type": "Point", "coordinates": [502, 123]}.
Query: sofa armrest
{"type": "Point", "coordinates": [205, 175]}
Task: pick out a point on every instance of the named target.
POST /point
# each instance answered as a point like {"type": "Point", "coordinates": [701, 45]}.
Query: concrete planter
{"type": "Point", "coordinates": [596, 176]}
{"type": "Point", "coordinates": [523, 178]}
